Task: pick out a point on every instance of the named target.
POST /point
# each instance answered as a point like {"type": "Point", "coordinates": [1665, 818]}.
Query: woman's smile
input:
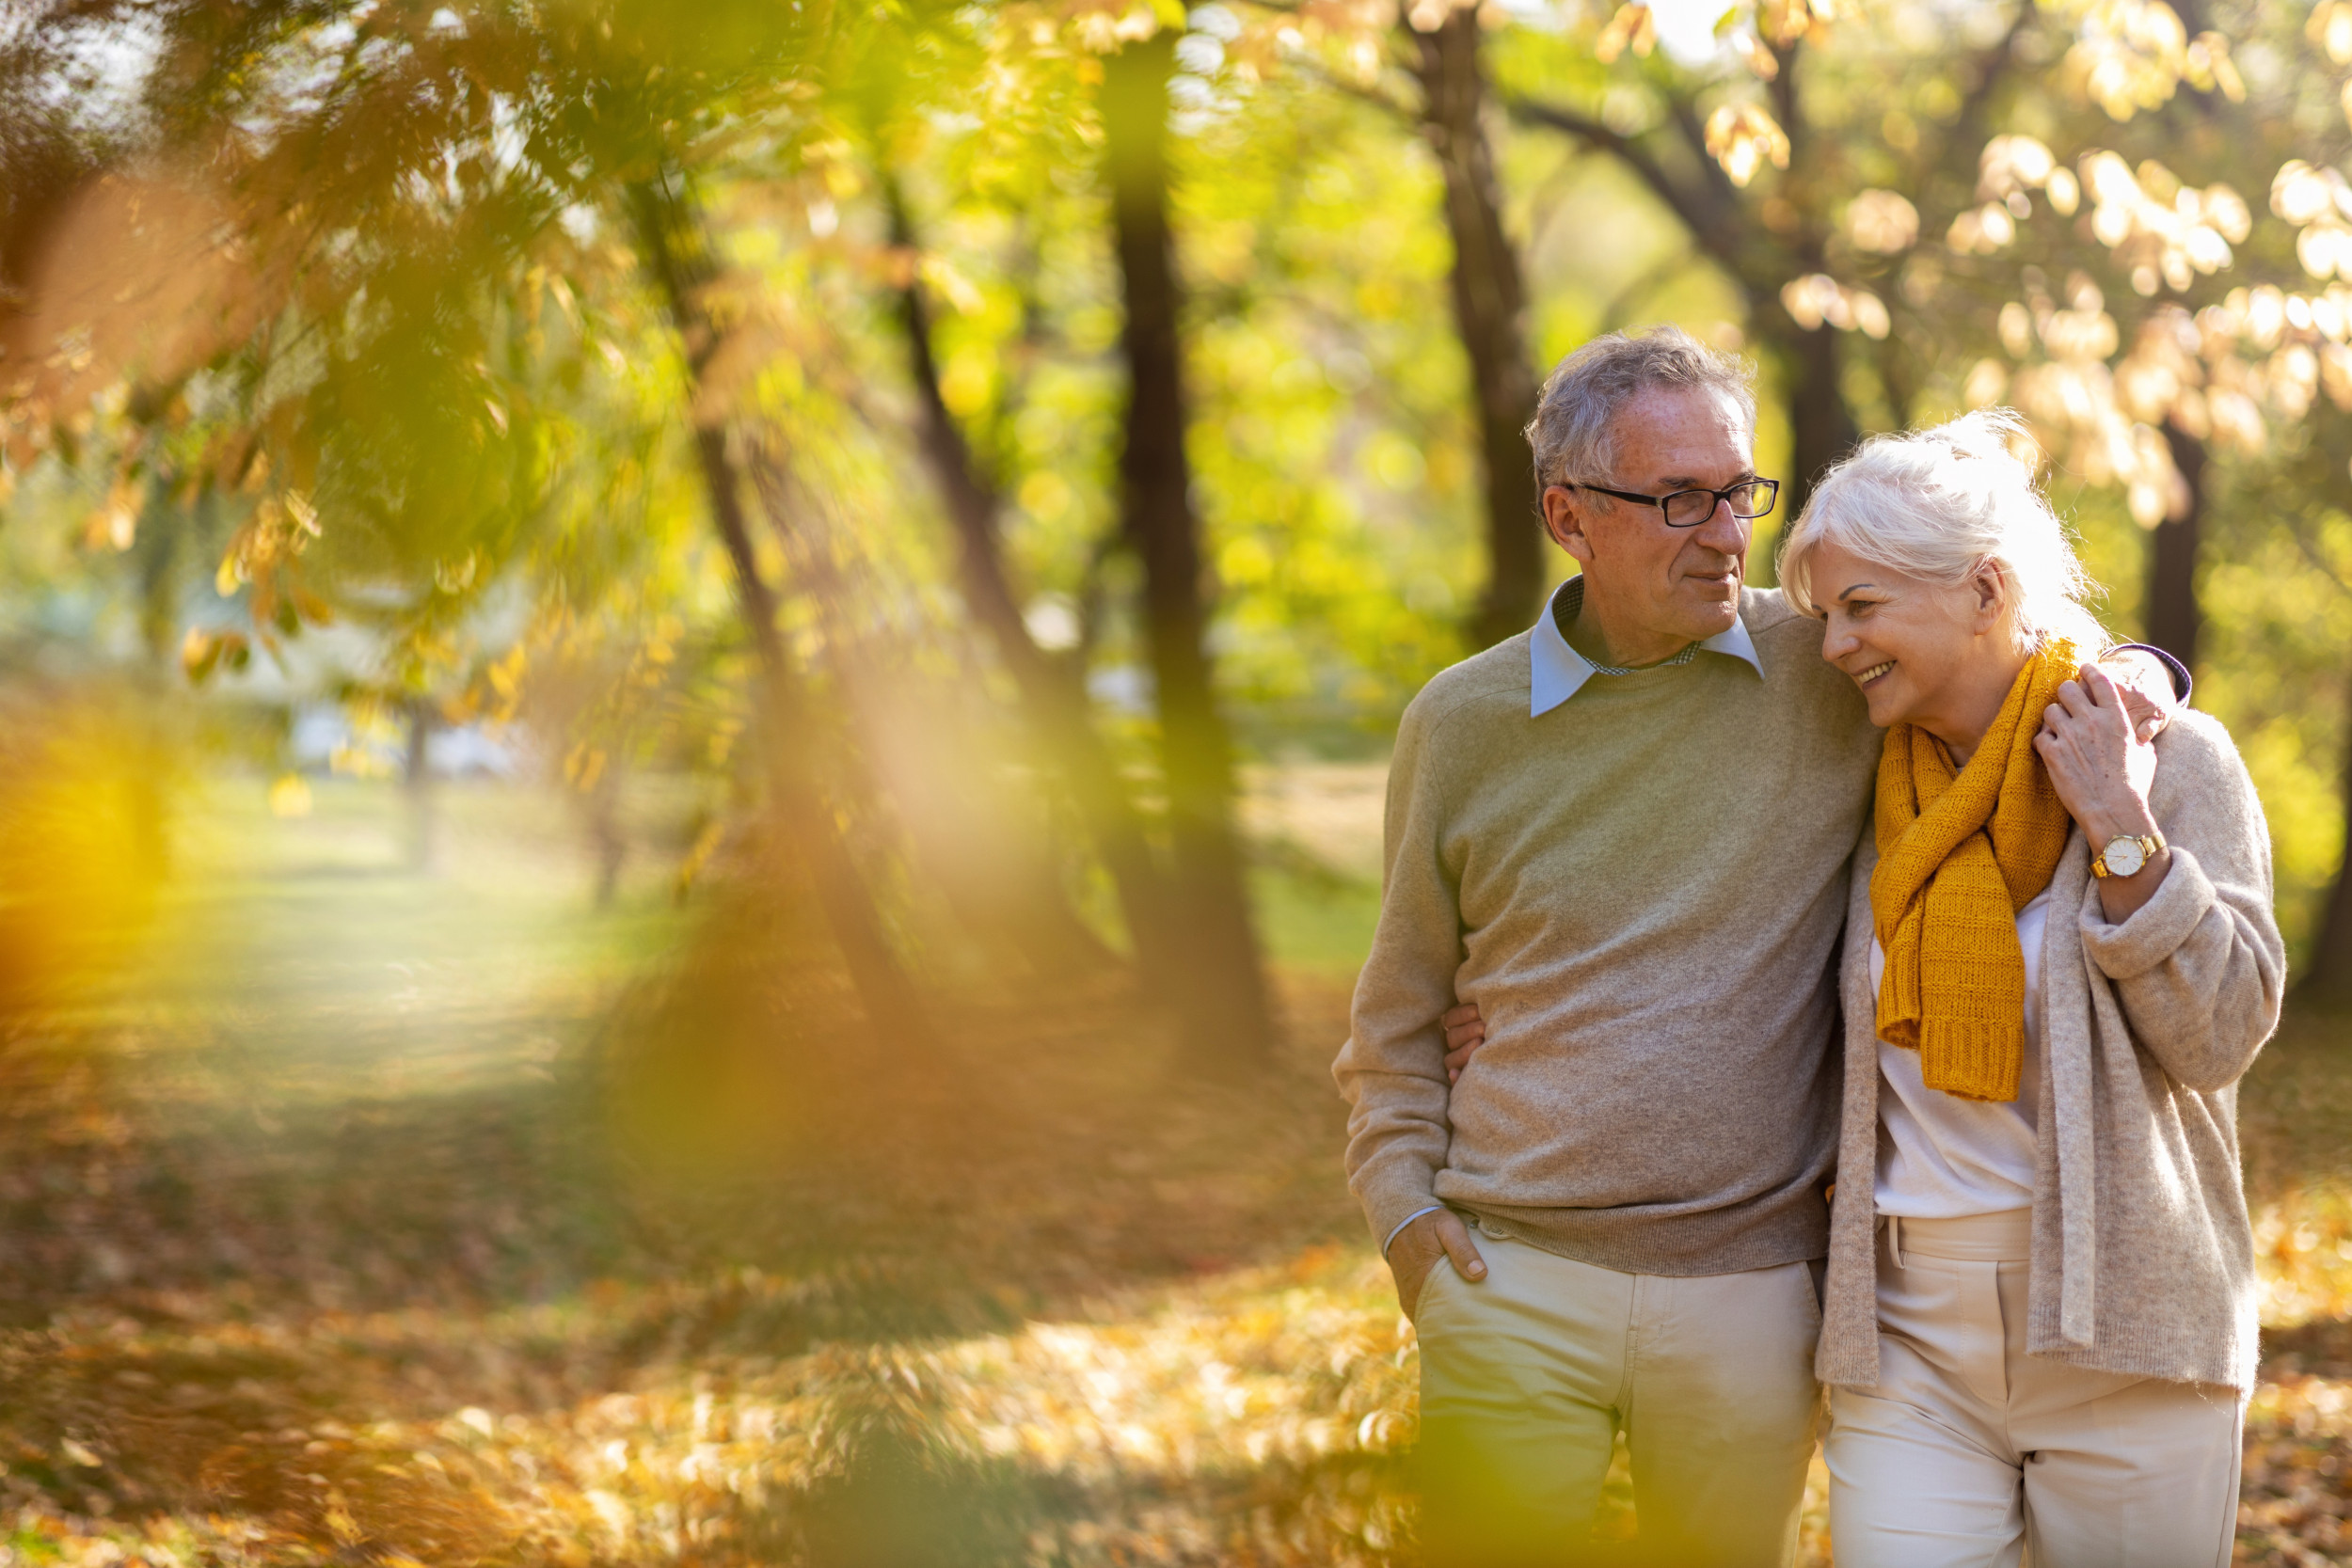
{"type": "Point", "coordinates": [1874, 675]}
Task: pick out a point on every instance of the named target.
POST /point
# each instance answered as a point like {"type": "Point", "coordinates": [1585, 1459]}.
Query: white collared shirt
{"type": "Point", "coordinates": [1557, 670]}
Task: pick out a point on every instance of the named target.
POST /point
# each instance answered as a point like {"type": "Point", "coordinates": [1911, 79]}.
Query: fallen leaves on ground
{"type": "Point", "coordinates": [1058, 1302]}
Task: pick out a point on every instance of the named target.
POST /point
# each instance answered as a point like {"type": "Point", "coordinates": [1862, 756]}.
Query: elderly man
{"type": "Point", "coordinates": [1624, 835]}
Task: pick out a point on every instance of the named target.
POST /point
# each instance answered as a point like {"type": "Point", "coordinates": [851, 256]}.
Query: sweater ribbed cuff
{"type": "Point", "coordinates": [2154, 931]}
{"type": "Point", "coordinates": [1396, 1199]}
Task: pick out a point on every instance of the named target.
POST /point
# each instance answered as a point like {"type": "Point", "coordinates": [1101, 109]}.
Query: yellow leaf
{"type": "Point", "coordinates": [1760, 61]}
{"type": "Point", "coordinates": [506, 674]}
{"type": "Point", "coordinates": [1741, 137]}
{"type": "Point", "coordinates": [1884, 222]}
{"type": "Point", "coordinates": [583, 766]}
{"type": "Point", "coordinates": [306, 516]}
{"type": "Point", "coordinates": [959, 290]}
{"type": "Point", "coordinates": [2330, 27]}
{"type": "Point", "coordinates": [116, 523]}
{"type": "Point", "coordinates": [290, 796]}
{"type": "Point", "coordinates": [340, 1524]}
{"type": "Point", "coordinates": [1633, 26]}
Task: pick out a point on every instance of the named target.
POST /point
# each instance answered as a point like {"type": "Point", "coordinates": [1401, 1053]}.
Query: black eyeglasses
{"type": "Point", "coordinates": [1749, 499]}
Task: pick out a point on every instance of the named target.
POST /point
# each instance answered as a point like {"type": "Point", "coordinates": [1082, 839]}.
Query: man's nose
{"type": "Point", "coordinates": [1724, 531]}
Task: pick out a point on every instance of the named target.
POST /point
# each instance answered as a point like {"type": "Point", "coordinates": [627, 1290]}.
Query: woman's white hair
{"type": "Point", "coordinates": [1936, 505]}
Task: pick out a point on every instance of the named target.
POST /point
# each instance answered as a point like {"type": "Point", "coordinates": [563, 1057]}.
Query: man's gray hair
{"type": "Point", "coordinates": [1570, 433]}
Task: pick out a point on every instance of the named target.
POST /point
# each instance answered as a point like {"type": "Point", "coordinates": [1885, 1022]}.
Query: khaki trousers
{"type": "Point", "coordinates": [1968, 1450]}
{"type": "Point", "coordinates": [1527, 1376]}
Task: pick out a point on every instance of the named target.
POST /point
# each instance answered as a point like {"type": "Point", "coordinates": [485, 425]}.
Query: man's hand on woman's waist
{"type": "Point", "coordinates": [1465, 1032]}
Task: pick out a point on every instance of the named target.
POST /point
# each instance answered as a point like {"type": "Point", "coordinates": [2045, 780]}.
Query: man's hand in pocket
{"type": "Point", "coordinates": [1439, 1233]}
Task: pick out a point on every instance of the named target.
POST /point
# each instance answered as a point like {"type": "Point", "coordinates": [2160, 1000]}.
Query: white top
{"type": "Point", "coordinates": [1944, 1158]}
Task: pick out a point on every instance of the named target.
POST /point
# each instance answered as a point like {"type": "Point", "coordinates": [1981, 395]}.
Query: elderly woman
{"type": "Point", "coordinates": [2060, 956]}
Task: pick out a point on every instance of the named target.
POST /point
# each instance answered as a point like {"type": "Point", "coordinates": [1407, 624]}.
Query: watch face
{"type": "Point", "coordinates": [2125, 856]}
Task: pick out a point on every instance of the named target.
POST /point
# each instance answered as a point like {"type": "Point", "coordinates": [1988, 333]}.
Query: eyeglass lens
{"type": "Point", "coordinates": [1689, 508]}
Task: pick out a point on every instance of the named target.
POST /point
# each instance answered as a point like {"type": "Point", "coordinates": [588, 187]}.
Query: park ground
{"type": "Point", "coordinates": [371, 1215]}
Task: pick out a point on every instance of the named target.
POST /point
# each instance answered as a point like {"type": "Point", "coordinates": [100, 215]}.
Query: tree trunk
{"type": "Point", "coordinates": [417, 782]}
{"type": "Point", "coordinates": [1489, 310]}
{"type": "Point", "coordinates": [158, 565]}
{"type": "Point", "coordinates": [997, 880]}
{"type": "Point", "coordinates": [41, 173]}
{"type": "Point", "coordinates": [2171, 616]}
{"type": "Point", "coordinates": [676, 254]}
{"type": "Point", "coordinates": [605, 834]}
{"type": "Point", "coordinates": [2328, 974]}
{"type": "Point", "coordinates": [1227, 1011]}
{"type": "Point", "coordinates": [1821, 427]}
{"type": "Point", "coordinates": [1053, 694]}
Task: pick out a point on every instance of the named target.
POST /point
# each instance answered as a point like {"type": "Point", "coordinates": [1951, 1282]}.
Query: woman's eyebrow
{"type": "Point", "coordinates": [1855, 589]}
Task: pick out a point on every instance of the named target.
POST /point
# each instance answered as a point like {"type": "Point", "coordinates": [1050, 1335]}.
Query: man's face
{"type": "Point", "coordinates": [1647, 581]}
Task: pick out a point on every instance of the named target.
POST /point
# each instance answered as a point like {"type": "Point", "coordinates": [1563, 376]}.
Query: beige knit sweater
{"type": "Point", "coordinates": [1642, 888]}
{"type": "Point", "coordinates": [2142, 1254]}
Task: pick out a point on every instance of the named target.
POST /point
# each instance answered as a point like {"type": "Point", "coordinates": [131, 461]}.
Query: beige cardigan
{"type": "Point", "coordinates": [2142, 1254]}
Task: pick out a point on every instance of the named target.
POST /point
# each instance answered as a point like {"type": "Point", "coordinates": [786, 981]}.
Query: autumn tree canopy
{"type": "Point", "coordinates": [1115, 394]}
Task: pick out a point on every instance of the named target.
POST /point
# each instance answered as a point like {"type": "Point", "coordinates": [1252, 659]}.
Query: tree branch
{"type": "Point", "coordinates": [1694, 211]}
{"type": "Point", "coordinates": [1358, 91]}
{"type": "Point", "coordinates": [1722, 195]}
{"type": "Point", "coordinates": [1966, 138]}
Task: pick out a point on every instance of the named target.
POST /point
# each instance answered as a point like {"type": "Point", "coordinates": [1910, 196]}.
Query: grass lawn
{"type": "Point", "coordinates": [371, 1215]}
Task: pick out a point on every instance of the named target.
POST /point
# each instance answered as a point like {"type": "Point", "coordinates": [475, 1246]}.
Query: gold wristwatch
{"type": "Point", "coordinates": [2126, 856]}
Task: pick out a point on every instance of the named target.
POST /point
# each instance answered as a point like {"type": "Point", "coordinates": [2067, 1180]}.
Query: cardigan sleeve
{"type": "Point", "coordinates": [2200, 969]}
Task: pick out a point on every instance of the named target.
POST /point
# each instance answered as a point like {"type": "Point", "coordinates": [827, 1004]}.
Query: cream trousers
{"type": "Point", "coordinates": [1968, 1450]}
{"type": "Point", "coordinates": [1527, 1376]}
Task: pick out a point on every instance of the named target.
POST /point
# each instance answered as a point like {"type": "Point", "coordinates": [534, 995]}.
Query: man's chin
{"type": "Point", "coordinates": [1712, 608]}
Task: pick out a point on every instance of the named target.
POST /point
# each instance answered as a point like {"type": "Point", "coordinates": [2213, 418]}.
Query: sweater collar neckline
{"type": "Point", "coordinates": [1557, 670]}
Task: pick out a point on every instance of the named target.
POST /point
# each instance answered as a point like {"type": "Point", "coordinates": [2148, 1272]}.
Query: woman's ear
{"type": "Point", "coordinates": [1989, 588]}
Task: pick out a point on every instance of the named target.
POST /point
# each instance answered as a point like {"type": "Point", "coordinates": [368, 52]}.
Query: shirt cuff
{"type": "Point", "coordinates": [2154, 931]}
{"type": "Point", "coordinates": [2184, 686]}
{"type": "Point", "coordinates": [1406, 1221]}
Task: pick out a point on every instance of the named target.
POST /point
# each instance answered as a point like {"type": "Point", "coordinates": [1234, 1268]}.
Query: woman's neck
{"type": "Point", "coordinates": [1973, 700]}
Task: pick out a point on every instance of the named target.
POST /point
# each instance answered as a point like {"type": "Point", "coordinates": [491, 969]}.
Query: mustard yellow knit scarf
{"type": "Point", "coordinates": [1958, 858]}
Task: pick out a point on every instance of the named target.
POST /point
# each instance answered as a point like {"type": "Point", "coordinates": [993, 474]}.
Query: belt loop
{"type": "Point", "coordinates": [1894, 1239]}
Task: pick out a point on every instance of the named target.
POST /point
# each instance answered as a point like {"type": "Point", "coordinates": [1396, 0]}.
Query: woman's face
{"type": "Point", "coordinates": [1921, 653]}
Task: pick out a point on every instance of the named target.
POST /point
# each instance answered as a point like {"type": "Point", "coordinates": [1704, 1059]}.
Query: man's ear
{"type": "Point", "coordinates": [1564, 519]}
